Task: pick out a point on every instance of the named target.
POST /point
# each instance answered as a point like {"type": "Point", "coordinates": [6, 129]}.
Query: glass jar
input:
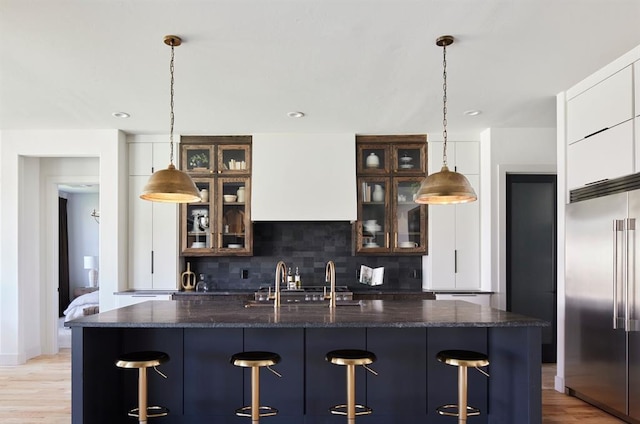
{"type": "Point", "coordinates": [203, 284]}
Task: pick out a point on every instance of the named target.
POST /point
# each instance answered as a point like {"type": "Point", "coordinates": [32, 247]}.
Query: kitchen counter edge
{"type": "Point", "coordinates": [370, 313]}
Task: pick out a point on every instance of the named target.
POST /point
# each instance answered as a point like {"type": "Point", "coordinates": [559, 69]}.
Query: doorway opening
{"type": "Point", "coordinates": [78, 253]}
{"type": "Point", "coordinates": [531, 257]}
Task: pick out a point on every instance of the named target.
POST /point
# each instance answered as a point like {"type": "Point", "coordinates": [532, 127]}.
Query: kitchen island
{"type": "Point", "coordinates": [200, 337]}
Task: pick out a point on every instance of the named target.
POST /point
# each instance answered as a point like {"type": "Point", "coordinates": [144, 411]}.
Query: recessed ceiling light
{"type": "Point", "coordinates": [295, 114]}
{"type": "Point", "coordinates": [472, 112]}
{"type": "Point", "coordinates": [120, 115]}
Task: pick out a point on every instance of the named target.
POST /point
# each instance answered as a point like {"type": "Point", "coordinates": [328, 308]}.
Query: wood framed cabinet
{"type": "Point", "coordinates": [220, 224]}
{"type": "Point", "coordinates": [389, 172]}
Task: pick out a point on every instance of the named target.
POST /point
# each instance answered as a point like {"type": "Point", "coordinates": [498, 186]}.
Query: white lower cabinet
{"type": "Point", "coordinates": [483, 299]}
{"type": "Point", "coordinates": [123, 300]}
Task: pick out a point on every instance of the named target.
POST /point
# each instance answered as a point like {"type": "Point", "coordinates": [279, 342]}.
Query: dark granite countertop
{"type": "Point", "coordinates": [215, 293]}
{"type": "Point", "coordinates": [369, 313]}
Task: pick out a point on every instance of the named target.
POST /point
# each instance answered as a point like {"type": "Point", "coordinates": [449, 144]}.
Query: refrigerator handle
{"type": "Point", "coordinates": [629, 281]}
{"type": "Point", "coordinates": [617, 228]}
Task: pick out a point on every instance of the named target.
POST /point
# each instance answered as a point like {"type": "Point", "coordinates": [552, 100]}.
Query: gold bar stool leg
{"type": "Point", "coordinates": [142, 395]}
{"type": "Point", "coordinates": [256, 360]}
{"type": "Point", "coordinates": [462, 394]}
{"type": "Point", "coordinates": [351, 358]}
{"type": "Point", "coordinates": [255, 395]}
{"type": "Point", "coordinates": [463, 359]}
{"type": "Point", "coordinates": [351, 394]}
{"type": "Point", "coordinates": [142, 361]}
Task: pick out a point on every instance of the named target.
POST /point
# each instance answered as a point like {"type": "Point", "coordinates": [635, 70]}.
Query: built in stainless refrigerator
{"type": "Point", "coordinates": [602, 361]}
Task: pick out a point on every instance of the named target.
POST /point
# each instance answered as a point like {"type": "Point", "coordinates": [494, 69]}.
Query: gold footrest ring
{"type": "Point", "coordinates": [342, 410]}
{"type": "Point", "coordinates": [152, 412]}
{"type": "Point", "coordinates": [471, 411]}
{"type": "Point", "coordinates": [268, 411]}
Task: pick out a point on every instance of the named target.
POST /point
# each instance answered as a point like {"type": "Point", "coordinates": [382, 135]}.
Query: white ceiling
{"type": "Point", "coordinates": [357, 66]}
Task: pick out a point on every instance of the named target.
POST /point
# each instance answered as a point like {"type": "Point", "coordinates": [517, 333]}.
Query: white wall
{"type": "Point", "coordinates": [28, 252]}
{"type": "Point", "coordinates": [504, 151]}
{"type": "Point", "coordinates": [83, 236]}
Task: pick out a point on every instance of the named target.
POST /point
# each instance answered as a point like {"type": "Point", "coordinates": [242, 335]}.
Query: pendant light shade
{"type": "Point", "coordinates": [171, 185]}
{"type": "Point", "coordinates": [445, 187]}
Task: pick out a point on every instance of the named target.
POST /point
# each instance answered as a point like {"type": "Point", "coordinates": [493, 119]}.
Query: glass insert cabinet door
{"type": "Point", "coordinates": [198, 223]}
{"type": "Point", "coordinates": [373, 159]}
{"type": "Point", "coordinates": [409, 218]}
{"type": "Point", "coordinates": [198, 159]}
{"type": "Point", "coordinates": [233, 225]}
{"type": "Point", "coordinates": [409, 159]}
{"type": "Point", "coordinates": [373, 223]}
{"type": "Point", "coordinates": [234, 159]}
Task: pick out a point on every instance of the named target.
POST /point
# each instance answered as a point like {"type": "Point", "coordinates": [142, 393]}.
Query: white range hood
{"type": "Point", "coordinates": [303, 177]}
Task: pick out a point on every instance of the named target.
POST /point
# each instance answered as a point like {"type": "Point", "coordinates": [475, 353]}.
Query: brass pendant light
{"type": "Point", "coordinates": [445, 187]}
{"type": "Point", "coordinates": [171, 185]}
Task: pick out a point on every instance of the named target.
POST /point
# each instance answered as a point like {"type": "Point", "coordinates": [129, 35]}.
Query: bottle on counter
{"type": "Point", "coordinates": [202, 285]}
{"type": "Point", "coordinates": [297, 280]}
{"type": "Point", "coordinates": [290, 283]}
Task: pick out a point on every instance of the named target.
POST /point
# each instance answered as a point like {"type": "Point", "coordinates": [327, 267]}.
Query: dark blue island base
{"type": "Point", "coordinates": [405, 336]}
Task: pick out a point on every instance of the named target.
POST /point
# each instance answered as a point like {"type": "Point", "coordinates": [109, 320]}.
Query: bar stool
{"type": "Point", "coordinates": [142, 361]}
{"type": "Point", "coordinates": [256, 360]}
{"type": "Point", "coordinates": [462, 359]}
{"type": "Point", "coordinates": [351, 358]}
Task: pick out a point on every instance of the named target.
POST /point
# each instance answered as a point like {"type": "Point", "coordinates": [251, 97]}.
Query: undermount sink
{"type": "Point", "coordinates": [284, 305]}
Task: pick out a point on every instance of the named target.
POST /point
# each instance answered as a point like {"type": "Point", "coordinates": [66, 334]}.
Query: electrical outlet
{"type": "Point", "coordinates": [244, 274]}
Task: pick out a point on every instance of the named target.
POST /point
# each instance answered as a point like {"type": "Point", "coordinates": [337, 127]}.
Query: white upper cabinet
{"type": "Point", "coordinates": [636, 85]}
{"type": "Point", "coordinates": [605, 105]}
{"type": "Point", "coordinates": [304, 177]}
{"type": "Point", "coordinates": [601, 157]}
{"type": "Point", "coordinates": [462, 156]}
{"type": "Point", "coordinates": [146, 158]}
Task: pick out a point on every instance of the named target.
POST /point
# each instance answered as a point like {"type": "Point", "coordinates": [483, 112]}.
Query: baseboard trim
{"type": "Point", "coordinates": [10, 360]}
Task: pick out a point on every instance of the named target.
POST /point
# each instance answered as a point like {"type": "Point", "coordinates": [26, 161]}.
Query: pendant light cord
{"type": "Point", "coordinates": [171, 116]}
{"type": "Point", "coordinates": [444, 103]}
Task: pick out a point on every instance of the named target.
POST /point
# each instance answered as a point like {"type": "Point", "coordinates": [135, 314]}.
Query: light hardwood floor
{"type": "Point", "coordinates": [39, 392]}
